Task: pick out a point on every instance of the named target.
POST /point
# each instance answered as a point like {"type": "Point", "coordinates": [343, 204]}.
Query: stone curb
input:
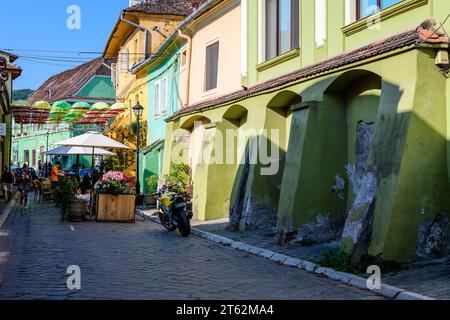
{"type": "Point", "coordinates": [386, 291]}
{"type": "Point", "coordinates": [8, 210]}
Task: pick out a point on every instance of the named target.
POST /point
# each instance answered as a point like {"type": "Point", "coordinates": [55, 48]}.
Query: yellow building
{"type": "Point", "coordinates": [138, 32]}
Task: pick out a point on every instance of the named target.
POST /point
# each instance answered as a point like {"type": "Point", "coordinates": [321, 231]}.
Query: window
{"type": "Point", "coordinates": [160, 96]}
{"type": "Point", "coordinates": [183, 58]}
{"type": "Point", "coordinates": [366, 8]}
{"type": "Point", "coordinates": [136, 51]}
{"type": "Point", "coordinates": [163, 95]}
{"type": "Point", "coordinates": [26, 156]}
{"type": "Point", "coordinates": [156, 99]}
{"type": "Point", "coordinates": [42, 153]}
{"type": "Point", "coordinates": [212, 66]}
{"type": "Point", "coordinates": [282, 27]}
{"type": "Point", "coordinates": [33, 158]}
{"type": "Point", "coordinates": [124, 58]}
{"type": "Point", "coordinates": [321, 22]}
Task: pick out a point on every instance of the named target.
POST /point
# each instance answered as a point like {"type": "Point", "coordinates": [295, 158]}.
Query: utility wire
{"type": "Point", "coordinates": [49, 63]}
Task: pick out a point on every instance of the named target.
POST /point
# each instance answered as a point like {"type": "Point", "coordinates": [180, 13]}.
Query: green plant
{"type": "Point", "coordinates": [152, 183]}
{"type": "Point", "coordinates": [341, 261]}
{"type": "Point", "coordinates": [179, 176]}
{"type": "Point", "coordinates": [65, 192]}
{"type": "Point", "coordinates": [114, 163]}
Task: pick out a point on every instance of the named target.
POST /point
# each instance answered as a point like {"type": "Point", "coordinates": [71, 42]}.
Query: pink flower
{"type": "Point", "coordinates": [114, 176]}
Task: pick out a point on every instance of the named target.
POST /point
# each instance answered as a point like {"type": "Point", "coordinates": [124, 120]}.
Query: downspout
{"type": "Point", "coordinates": [143, 29]}
{"type": "Point", "coordinates": [188, 66]}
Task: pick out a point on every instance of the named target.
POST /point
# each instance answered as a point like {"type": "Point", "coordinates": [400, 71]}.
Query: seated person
{"type": "Point", "coordinates": [86, 197]}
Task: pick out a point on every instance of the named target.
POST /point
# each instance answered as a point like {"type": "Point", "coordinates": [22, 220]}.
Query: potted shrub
{"type": "Point", "coordinates": [152, 187]}
{"type": "Point", "coordinates": [180, 176]}
{"type": "Point", "coordinates": [115, 198]}
{"type": "Point", "coordinates": [66, 195]}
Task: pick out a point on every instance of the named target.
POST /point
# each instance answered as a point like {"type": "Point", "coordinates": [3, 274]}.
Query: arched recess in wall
{"type": "Point", "coordinates": [233, 120]}
{"type": "Point", "coordinates": [268, 172]}
{"type": "Point", "coordinates": [236, 114]}
{"type": "Point", "coordinates": [278, 113]}
{"type": "Point", "coordinates": [195, 127]}
{"type": "Point", "coordinates": [355, 96]}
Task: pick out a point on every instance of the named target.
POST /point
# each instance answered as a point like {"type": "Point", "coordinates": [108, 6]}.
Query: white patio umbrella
{"type": "Point", "coordinates": [62, 151]}
{"type": "Point", "coordinates": [93, 139]}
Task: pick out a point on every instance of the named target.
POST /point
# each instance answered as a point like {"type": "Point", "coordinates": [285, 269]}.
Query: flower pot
{"type": "Point", "coordinates": [77, 211]}
{"type": "Point", "coordinates": [115, 208]}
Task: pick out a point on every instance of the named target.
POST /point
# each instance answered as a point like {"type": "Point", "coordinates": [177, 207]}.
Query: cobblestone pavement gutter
{"type": "Point", "coordinates": [386, 291]}
{"type": "Point", "coordinates": [142, 261]}
{"type": "Point", "coordinates": [3, 216]}
{"type": "Point", "coordinates": [7, 210]}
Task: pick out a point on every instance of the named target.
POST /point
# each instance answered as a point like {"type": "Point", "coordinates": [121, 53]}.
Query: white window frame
{"type": "Point", "coordinates": [321, 22]}
{"type": "Point", "coordinates": [216, 39]}
{"type": "Point", "coordinates": [262, 30]}
{"type": "Point", "coordinates": [350, 12]}
{"type": "Point", "coordinates": [161, 96]}
{"type": "Point", "coordinates": [244, 37]}
{"type": "Point", "coordinates": [164, 97]}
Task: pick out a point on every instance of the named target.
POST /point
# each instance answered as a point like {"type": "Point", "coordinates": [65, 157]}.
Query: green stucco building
{"type": "Point", "coordinates": [163, 99]}
{"type": "Point", "coordinates": [355, 99]}
{"type": "Point", "coordinates": [89, 82]}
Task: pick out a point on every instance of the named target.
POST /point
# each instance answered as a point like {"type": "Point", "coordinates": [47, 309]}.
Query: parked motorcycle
{"type": "Point", "coordinates": [175, 210]}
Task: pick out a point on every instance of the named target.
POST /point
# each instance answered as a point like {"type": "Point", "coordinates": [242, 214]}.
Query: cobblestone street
{"type": "Point", "coordinates": [140, 261]}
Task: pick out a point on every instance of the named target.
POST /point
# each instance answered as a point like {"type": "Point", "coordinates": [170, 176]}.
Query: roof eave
{"type": "Point", "coordinates": [173, 36]}
{"type": "Point", "coordinates": [12, 57]}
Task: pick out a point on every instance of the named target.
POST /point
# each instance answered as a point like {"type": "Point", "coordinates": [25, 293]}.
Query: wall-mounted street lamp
{"type": "Point", "coordinates": [138, 112]}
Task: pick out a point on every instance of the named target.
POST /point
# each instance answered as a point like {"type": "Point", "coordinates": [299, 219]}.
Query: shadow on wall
{"type": "Point", "coordinates": [256, 188]}
{"type": "Point", "coordinates": [359, 169]}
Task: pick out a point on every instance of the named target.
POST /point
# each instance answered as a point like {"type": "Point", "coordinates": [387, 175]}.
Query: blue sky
{"type": "Point", "coordinates": [41, 25]}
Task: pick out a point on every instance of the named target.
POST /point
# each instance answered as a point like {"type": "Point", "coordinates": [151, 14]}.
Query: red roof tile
{"type": "Point", "coordinates": [166, 7]}
{"type": "Point", "coordinates": [15, 69]}
{"type": "Point", "coordinates": [64, 85]}
{"type": "Point", "coordinates": [397, 41]}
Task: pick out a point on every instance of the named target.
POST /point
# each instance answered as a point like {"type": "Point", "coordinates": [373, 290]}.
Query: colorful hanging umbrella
{"type": "Point", "coordinates": [119, 106]}
{"type": "Point", "coordinates": [58, 111]}
{"type": "Point", "coordinates": [39, 112]}
{"type": "Point", "coordinates": [77, 111]}
{"type": "Point", "coordinates": [62, 106]}
{"type": "Point", "coordinates": [100, 106]}
{"type": "Point", "coordinates": [41, 105]}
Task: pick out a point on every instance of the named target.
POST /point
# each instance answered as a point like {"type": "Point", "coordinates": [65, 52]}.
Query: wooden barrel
{"type": "Point", "coordinates": [77, 210]}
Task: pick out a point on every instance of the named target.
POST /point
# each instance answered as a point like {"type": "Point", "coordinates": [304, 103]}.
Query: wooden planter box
{"type": "Point", "coordinates": [115, 208]}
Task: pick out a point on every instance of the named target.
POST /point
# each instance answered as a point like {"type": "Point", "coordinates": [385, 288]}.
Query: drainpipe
{"type": "Point", "coordinates": [188, 66]}
{"type": "Point", "coordinates": [145, 33]}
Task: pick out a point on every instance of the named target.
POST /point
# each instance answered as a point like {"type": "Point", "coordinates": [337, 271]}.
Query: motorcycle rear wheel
{"type": "Point", "coordinates": [170, 227]}
{"type": "Point", "coordinates": [184, 225]}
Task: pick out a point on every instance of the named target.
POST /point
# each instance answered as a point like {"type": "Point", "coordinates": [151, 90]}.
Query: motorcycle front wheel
{"type": "Point", "coordinates": [166, 223]}
{"type": "Point", "coordinates": [184, 225]}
